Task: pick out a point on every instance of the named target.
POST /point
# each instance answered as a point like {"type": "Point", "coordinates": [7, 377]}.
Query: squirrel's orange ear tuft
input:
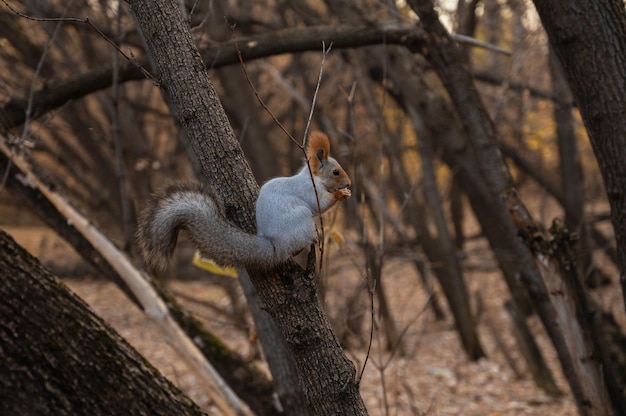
{"type": "Point", "coordinates": [317, 148]}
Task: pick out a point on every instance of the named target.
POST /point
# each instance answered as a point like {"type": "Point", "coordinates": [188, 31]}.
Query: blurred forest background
{"type": "Point", "coordinates": [410, 269]}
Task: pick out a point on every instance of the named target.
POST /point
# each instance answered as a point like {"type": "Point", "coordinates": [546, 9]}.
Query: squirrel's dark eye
{"type": "Point", "coordinates": [336, 172]}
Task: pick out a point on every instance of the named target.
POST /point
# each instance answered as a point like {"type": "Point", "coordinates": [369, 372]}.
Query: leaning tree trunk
{"type": "Point", "coordinates": [593, 376]}
{"type": "Point", "coordinates": [325, 375]}
{"type": "Point", "coordinates": [57, 357]}
{"type": "Point", "coordinates": [590, 40]}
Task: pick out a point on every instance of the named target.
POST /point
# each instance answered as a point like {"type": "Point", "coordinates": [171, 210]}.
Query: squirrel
{"type": "Point", "coordinates": [284, 215]}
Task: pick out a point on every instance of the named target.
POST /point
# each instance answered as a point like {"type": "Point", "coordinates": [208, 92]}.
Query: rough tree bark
{"type": "Point", "coordinates": [59, 358]}
{"type": "Point", "coordinates": [590, 40]}
{"type": "Point", "coordinates": [326, 376]}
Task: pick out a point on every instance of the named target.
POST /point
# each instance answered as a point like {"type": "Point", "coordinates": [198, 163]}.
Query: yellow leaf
{"type": "Point", "coordinates": [212, 267]}
{"type": "Point", "coordinates": [337, 237]}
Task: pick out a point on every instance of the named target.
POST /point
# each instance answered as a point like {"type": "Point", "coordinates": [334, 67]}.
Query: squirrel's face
{"type": "Point", "coordinates": [343, 181]}
{"type": "Point", "coordinates": [326, 169]}
{"type": "Point", "coordinates": [334, 176]}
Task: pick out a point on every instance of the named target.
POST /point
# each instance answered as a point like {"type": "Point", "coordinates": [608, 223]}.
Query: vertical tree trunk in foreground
{"type": "Point", "coordinates": [590, 40]}
{"type": "Point", "coordinates": [57, 357]}
{"type": "Point", "coordinates": [326, 376]}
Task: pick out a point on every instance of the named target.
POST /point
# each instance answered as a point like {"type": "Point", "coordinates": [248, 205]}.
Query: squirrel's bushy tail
{"type": "Point", "coordinates": [198, 211]}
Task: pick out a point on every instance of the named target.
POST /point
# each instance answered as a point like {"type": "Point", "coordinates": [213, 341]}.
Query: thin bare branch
{"type": "Point", "coordinates": [256, 93]}
{"type": "Point", "coordinates": [468, 40]}
{"type": "Point", "coordinates": [325, 52]}
{"type": "Point", "coordinates": [370, 292]}
{"type": "Point", "coordinates": [321, 240]}
{"type": "Point", "coordinates": [31, 92]}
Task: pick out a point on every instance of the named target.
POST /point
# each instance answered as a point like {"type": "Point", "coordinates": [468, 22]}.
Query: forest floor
{"type": "Point", "coordinates": [431, 375]}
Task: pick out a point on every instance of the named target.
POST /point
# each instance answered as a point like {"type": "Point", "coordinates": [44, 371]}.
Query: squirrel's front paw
{"type": "Point", "coordinates": [343, 193]}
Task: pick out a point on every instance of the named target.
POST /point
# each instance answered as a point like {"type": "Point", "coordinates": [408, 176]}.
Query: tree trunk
{"type": "Point", "coordinates": [58, 357]}
{"type": "Point", "coordinates": [590, 372]}
{"type": "Point", "coordinates": [540, 176]}
{"type": "Point", "coordinates": [542, 376]}
{"type": "Point", "coordinates": [325, 375]}
{"type": "Point", "coordinates": [590, 40]}
{"type": "Point", "coordinates": [571, 170]}
{"type": "Point", "coordinates": [441, 246]}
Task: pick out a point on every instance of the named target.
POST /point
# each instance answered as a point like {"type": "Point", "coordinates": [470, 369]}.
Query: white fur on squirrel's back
{"type": "Point", "coordinates": [287, 203]}
{"type": "Point", "coordinates": [193, 208]}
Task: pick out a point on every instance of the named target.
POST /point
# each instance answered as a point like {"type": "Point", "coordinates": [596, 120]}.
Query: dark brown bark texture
{"type": "Point", "coordinates": [326, 375]}
{"type": "Point", "coordinates": [590, 40]}
{"type": "Point", "coordinates": [209, 140]}
{"type": "Point", "coordinates": [58, 358]}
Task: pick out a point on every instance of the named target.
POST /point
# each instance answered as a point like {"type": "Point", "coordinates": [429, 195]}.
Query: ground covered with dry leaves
{"type": "Point", "coordinates": [431, 376]}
